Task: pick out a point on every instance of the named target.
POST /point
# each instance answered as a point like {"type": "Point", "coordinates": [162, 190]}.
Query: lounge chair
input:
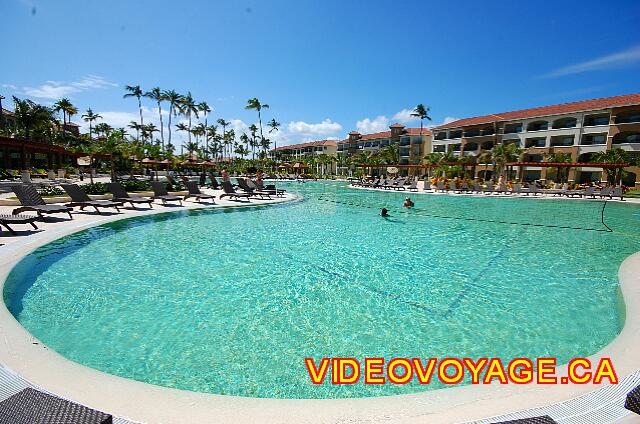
{"type": "Point", "coordinates": [605, 192]}
{"type": "Point", "coordinates": [160, 192]}
{"type": "Point", "coordinates": [440, 186]}
{"type": "Point", "coordinates": [453, 187]}
{"type": "Point", "coordinates": [271, 188]}
{"type": "Point", "coordinates": [617, 192]}
{"type": "Point", "coordinates": [121, 195]}
{"type": "Point", "coordinates": [427, 186]}
{"type": "Point", "coordinates": [246, 188]}
{"type": "Point", "coordinates": [399, 185]}
{"type": "Point", "coordinates": [31, 406]}
{"type": "Point", "coordinates": [544, 419]}
{"type": "Point", "coordinates": [590, 192]}
{"type": "Point", "coordinates": [7, 220]}
{"type": "Point", "coordinates": [229, 191]}
{"type": "Point", "coordinates": [413, 186]}
{"type": "Point", "coordinates": [31, 201]}
{"type": "Point", "coordinates": [194, 191]}
{"type": "Point", "coordinates": [488, 189]}
{"type": "Point", "coordinates": [502, 188]}
{"type": "Point", "coordinates": [80, 198]}
{"type": "Point", "coordinates": [632, 401]}
{"type": "Point", "coordinates": [214, 182]}
{"type": "Point", "coordinates": [477, 188]}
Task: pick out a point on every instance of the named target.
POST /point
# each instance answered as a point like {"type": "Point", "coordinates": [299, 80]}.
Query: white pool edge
{"type": "Point", "coordinates": [154, 404]}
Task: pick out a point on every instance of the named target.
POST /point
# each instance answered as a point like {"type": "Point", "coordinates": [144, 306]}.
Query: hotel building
{"type": "Point", "coordinates": [579, 129]}
{"type": "Point", "coordinates": [304, 150]}
{"type": "Point", "coordinates": [413, 145]}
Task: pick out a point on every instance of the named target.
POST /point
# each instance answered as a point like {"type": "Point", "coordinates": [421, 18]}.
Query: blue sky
{"type": "Point", "coordinates": [327, 67]}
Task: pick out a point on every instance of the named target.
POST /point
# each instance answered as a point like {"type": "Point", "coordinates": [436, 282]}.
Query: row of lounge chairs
{"type": "Point", "coordinates": [490, 188]}
{"type": "Point", "coordinates": [533, 189]}
{"type": "Point", "coordinates": [32, 201]}
{"type": "Point", "coordinates": [388, 184]}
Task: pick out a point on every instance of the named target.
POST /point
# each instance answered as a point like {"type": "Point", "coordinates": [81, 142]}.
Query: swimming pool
{"type": "Point", "coordinates": [231, 301]}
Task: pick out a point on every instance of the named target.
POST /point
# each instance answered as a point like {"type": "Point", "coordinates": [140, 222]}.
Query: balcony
{"type": "Point", "coordinates": [593, 139]}
{"type": "Point", "coordinates": [561, 141]}
{"type": "Point", "coordinates": [538, 126]}
{"type": "Point", "coordinates": [628, 118]}
{"type": "Point", "coordinates": [405, 141]}
{"type": "Point", "coordinates": [535, 142]}
{"type": "Point", "coordinates": [512, 129]}
{"type": "Point", "coordinates": [596, 120]}
{"type": "Point", "coordinates": [564, 123]}
{"type": "Point", "coordinates": [455, 134]}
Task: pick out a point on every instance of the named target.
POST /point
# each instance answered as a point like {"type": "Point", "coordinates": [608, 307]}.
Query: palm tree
{"type": "Point", "coordinates": [254, 104]}
{"type": "Point", "coordinates": [173, 98]}
{"type": "Point", "coordinates": [502, 154]}
{"type": "Point", "coordinates": [188, 107]}
{"type": "Point", "coordinates": [433, 159]}
{"type": "Point", "coordinates": [64, 106]}
{"type": "Point", "coordinates": [421, 112]}
{"type": "Point", "coordinates": [561, 171]}
{"type": "Point", "coordinates": [136, 126]}
{"type": "Point", "coordinates": [204, 108]}
{"type": "Point", "coordinates": [90, 117]}
{"type": "Point", "coordinates": [485, 157]}
{"type": "Point", "coordinates": [223, 124]}
{"type": "Point", "coordinates": [157, 95]}
{"type": "Point", "coordinates": [104, 129]}
{"type": "Point", "coordinates": [273, 128]}
{"type": "Point", "coordinates": [135, 91]}
{"type": "Point", "coordinates": [616, 156]}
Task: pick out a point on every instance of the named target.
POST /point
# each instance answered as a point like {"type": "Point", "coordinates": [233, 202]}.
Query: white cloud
{"type": "Point", "coordinates": [449, 119]}
{"type": "Point", "coordinates": [325, 127]}
{"type": "Point", "coordinates": [58, 89]}
{"type": "Point", "coordinates": [404, 116]}
{"type": "Point", "coordinates": [9, 86]}
{"type": "Point", "coordinates": [615, 60]}
{"type": "Point", "coordinates": [378, 124]}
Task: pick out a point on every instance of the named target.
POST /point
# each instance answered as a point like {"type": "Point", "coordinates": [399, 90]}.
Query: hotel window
{"type": "Point", "coordinates": [455, 147]}
{"type": "Point", "coordinates": [404, 141]}
{"type": "Point", "coordinates": [512, 128]}
{"type": "Point", "coordinates": [593, 120]}
{"type": "Point", "coordinates": [538, 126]}
{"type": "Point", "coordinates": [488, 131]}
{"type": "Point", "coordinates": [564, 123]}
{"type": "Point", "coordinates": [472, 133]}
{"type": "Point", "coordinates": [441, 148]}
{"type": "Point", "coordinates": [590, 139]}
{"type": "Point", "coordinates": [628, 117]}
{"type": "Point", "coordinates": [455, 134]}
{"type": "Point", "coordinates": [562, 141]}
{"type": "Point", "coordinates": [441, 135]}
{"type": "Point", "coordinates": [535, 142]}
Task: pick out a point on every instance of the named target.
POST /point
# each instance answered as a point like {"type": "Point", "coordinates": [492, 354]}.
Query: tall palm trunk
{"type": "Point", "coordinates": [161, 126]}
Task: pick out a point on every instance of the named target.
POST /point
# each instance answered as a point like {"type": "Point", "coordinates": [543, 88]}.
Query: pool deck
{"type": "Point", "coordinates": [141, 402]}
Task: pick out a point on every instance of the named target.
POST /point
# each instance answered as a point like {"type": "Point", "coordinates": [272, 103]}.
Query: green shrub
{"type": "Point", "coordinates": [137, 185]}
{"type": "Point", "coordinates": [50, 191]}
{"type": "Point", "coordinates": [95, 188]}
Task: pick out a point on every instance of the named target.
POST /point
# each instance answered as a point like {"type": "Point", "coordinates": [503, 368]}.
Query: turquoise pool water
{"type": "Point", "coordinates": [232, 301]}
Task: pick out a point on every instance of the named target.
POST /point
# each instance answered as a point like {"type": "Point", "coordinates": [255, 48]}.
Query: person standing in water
{"type": "Point", "coordinates": [408, 203]}
{"type": "Point", "coordinates": [384, 213]}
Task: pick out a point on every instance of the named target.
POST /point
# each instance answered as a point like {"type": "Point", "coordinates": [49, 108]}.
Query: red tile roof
{"type": "Point", "coordinates": [595, 104]}
{"type": "Point", "coordinates": [397, 125]}
{"type": "Point", "coordinates": [309, 144]}
{"type": "Point", "coordinates": [387, 134]}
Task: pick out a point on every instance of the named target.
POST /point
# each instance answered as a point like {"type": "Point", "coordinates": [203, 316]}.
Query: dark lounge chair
{"type": "Point", "coordinates": [6, 220]}
{"type": "Point", "coordinates": [194, 191]}
{"type": "Point", "coordinates": [269, 187]}
{"type": "Point", "coordinates": [214, 182]}
{"type": "Point", "coordinates": [632, 402]}
{"type": "Point", "coordinates": [230, 192]}
{"type": "Point", "coordinates": [121, 195]}
{"type": "Point", "coordinates": [545, 419]}
{"type": "Point", "coordinates": [31, 201]}
{"type": "Point", "coordinates": [160, 192]}
{"type": "Point", "coordinates": [242, 183]}
{"type": "Point", "coordinates": [31, 406]}
{"type": "Point", "coordinates": [80, 198]}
